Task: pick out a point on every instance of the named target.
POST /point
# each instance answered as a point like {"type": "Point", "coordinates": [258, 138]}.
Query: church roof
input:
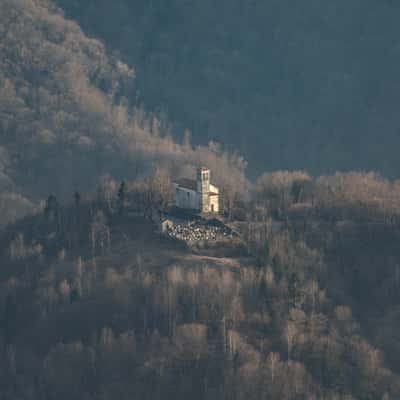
{"type": "Point", "coordinates": [187, 183]}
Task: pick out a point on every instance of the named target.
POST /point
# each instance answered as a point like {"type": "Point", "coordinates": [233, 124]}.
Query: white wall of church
{"type": "Point", "coordinates": [186, 198]}
{"type": "Point", "coordinates": [213, 189]}
{"type": "Point", "coordinates": [214, 204]}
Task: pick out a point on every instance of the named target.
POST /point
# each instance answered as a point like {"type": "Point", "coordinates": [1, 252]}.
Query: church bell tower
{"type": "Point", "coordinates": [203, 188]}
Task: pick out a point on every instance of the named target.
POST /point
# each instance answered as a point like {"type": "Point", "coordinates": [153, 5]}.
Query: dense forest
{"type": "Point", "coordinates": [291, 84]}
{"type": "Point", "coordinates": [96, 303]}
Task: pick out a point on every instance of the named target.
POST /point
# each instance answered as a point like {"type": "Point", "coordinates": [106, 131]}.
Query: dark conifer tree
{"type": "Point", "coordinates": [121, 197]}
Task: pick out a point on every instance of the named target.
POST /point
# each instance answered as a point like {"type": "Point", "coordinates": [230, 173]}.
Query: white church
{"type": "Point", "coordinates": [197, 194]}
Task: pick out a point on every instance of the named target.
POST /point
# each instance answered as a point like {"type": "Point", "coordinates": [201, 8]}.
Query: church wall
{"type": "Point", "coordinates": [186, 198]}
{"type": "Point", "coordinates": [214, 204]}
{"type": "Point", "coordinates": [214, 189]}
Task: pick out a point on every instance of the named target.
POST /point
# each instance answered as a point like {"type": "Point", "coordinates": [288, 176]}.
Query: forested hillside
{"type": "Point", "coordinates": [300, 85]}
{"type": "Point", "coordinates": [301, 302]}
{"type": "Point", "coordinates": [95, 304]}
{"type": "Point", "coordinates": [65, 115]}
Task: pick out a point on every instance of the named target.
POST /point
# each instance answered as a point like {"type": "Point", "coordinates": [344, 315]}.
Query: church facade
{"type": "Point", "coordinates": [197, 194]}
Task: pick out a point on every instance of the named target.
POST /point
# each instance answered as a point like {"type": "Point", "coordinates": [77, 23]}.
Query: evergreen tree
{"type": "Point", "coordinates": [52, 207]}
{"type": "Point", "coordinates": [121, 197]}
{"type": "Point", "coordinates": [77, 198]}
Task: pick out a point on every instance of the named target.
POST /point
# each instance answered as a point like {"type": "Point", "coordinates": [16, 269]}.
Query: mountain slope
{"type": "Point", "coordinates": [64, 115]}
{"type": "Point", "coordinates": [305, 309]}
{"type": "Point", "coordinates": [310, 85]}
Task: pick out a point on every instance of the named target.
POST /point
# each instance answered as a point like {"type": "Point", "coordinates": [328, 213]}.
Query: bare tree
{"type": "Point", "coordinates": [100, 234]}
{"type": "Point", "coordinates": [290, 334]}
{"type": "Point", "coordinates": [272, 362]}
{"type": "Point", "coordinates": [154, 194]}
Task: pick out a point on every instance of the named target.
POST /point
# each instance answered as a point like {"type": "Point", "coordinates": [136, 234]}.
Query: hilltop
{"type": "Point", "coordinates": [97, 304]}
